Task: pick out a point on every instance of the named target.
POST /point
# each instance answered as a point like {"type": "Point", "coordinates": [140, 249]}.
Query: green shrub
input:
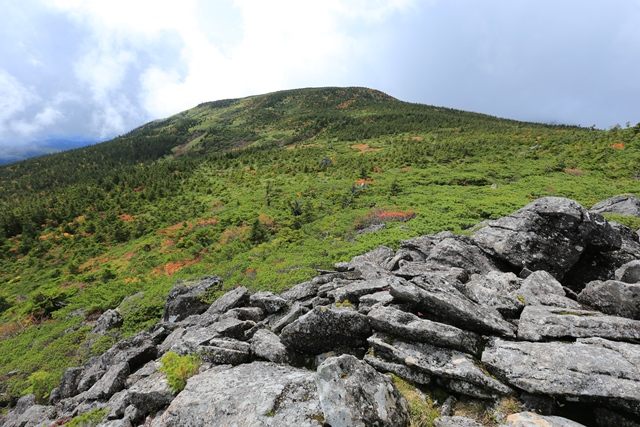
{"type": "Point", "coordinates": [422, 410]}
{"type": "Point", "coordinates": [42, 382]}
{"type": "Point", "coordinates": [88, 419]}
{"type": "Point", "coordinates": [632, 222]}
{"type": "Point", "coordinates": [178, 369]}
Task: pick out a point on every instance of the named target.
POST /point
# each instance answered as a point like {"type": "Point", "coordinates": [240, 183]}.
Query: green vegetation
{"type": "Point", "coordinates": [178, 369]}
{"type": "Point", "coordinates": [422, 410]}
{"type": "Point", "coordinates": [261, 191]}
{"type": "Point", "coordinates": [88, 419]}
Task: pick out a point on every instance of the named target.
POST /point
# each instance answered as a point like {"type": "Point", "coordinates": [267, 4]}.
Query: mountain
{"type": "Point", "coordinates": [40, 148]}
{"type": "Point", "coordinates": [262, 191]}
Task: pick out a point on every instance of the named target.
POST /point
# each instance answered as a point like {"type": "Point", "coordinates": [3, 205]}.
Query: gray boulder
{"type": "Point", "coordinates": [622, 205]}
{"type": "Point", "coordinates": [150, 395]}
{"type": "Point", "coordinates": [69, 384]}
{"type": "Point", "coordinates": [232, 299]}
{"type": "Point", "coordinates": [268, 301]}
{"type": "Point", "coordinates": [367, 302]}
{"type": "Point", "coordinates": [455, 421]}
{"type": "Point", "coordinates": [442, 300]}
{"type": "Point", "coordinates": [496, 290]}
{"type": "Point", "coordinates": [108, 320]}
{"type": "Point", "coordinates": [112, 381]}
{"type": "Point", "coordinates": [589, 370]}
{"type": "Point", "coordinates": [541, 288]}
{"type": "Point", "coordinates": [223, 351]}
{"type": "Point", "coordinates": [598, 265]}
{"type": "Point", "coordinates": [549, 234]}
{"type": "Point", "coordinates": [529, 419]}
{"type": "Point", "coordinates": [460, 252]}
{"type": "Point", "coordinates": [413, 328]}
{"type": "Point", "coordinates": [629, 272]}
{"type": "Point", "coordinates": [278, 322]}
{"type": "Point", "coordinates": [613, 297]}
{"type": "Point", "coordinates": [186, 299]}
{"type": "Point", "coordinates": [255, 394]}
{"type": "Point", "coordinates": [33, 416]}
{"type": "Point", "coordinates": [353, 290]}
{"type": "Point", "coordinates": [324, 329]}
{"type": "Point", "coordinates": [539, 323]}
{"type": "Point", "coordinates": [352, 393]}
{"type": "Point", "coordinates": [267, 345]}
{"type": "Point", "coordinates": [435, 361]}
{"type": "Point", "coordinates": [401, 370]}
{"type": "Point", "coordinates": [370, 265]}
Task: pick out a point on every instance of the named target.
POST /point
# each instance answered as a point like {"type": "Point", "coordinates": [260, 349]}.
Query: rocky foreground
{"type": "Point", "coordinates": [540, 308]}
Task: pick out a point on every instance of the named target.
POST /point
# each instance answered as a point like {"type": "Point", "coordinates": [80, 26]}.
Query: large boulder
{"type": "Point", "coordinates": [541, 288]}
{"type": "Point", "coordinates": [440, 299]}
{"type": "Point", "coordinates": [267, 345]}
{"type": "Point", "coordinates": [589, 370]}
{"type": "Point", "coordinates": [187, 298]}
{"type": "Point", "coordinates": [267, 301]}
{"type": "Point", "coordinates": [411, 327]}
{"type": "Point", "coordinates": [597, 265]}
{"type": "Point", "coordinates": [33, 416]}
{"type": "Point", "coordinates": [629, 272]}
{"type": "Point", "coordinates": [549, 234]}
{"type": "Point", "coordinates": [255, 394]}
{"type": "Point", "coordinates": [539, 323]}
{"type": "Point", "coordinates": [624, 204]}
{"type": "Point", "coordinates": [108, 320]}
{"type": "Point", "coordinates": [232, 299]}
{"type": "Point", "coordinates": [370, 265]}
{"type": "Point", "coordinates": [352, 393]}
{"type": "Point", "coordinates": [613, 297]}
{"type": "Point", "coordinates": [449, 365]}
{"type": "Point", "coordinates": [324, 329]}
{"type": "Point", "coordinates": [495, 289]}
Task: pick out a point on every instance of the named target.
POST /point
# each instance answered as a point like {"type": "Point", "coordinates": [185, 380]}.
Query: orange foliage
{"type": "Point", "coordinates": [234, 233]}
{"type": "Point", "coordinates": [171, 268]}
{"type": "Point", "coordinates": [207, 221]}
{"type": "Point", "coordinates": [364, 148]}
{"type": "Point", "coordinates": [345, 104]}
{"type": "Point", "coordinates": [381, 216]}
{"type": "Point", "coordinates": [126, 217]}
{"type": "Point", "coordinates": [618, 146]}
{"type": "Point", "coordinates": [574, 171]}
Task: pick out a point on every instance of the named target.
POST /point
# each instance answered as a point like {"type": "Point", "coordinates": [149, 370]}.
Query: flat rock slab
{"type": "Point", "coordinates": [411, 327]}
{"type": "Point", "coordinates": [529, 419]}
{"type": "Point", "coordinates": [437, 362]}
{"type": "Point", "coordinates": [353, 290]}
{"type": "Point", "coordinates": [622, 204]}
{"type": "Point", "coordinates": [589, 370]}
{"type": "Point", "coordinates": [232, 299]}
{"type": "Point", "coordinates": [324, 329]}
{"type": "Point", "coordinates": [436, 297]}
{"type": "Point", "coordinates": [613, 297]}
{"type": "Point", "coordinates": [255, 394]}
{"type": "Point", "coordinates": [542, 323]}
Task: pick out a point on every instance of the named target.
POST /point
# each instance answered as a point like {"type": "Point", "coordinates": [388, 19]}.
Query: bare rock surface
{"type": "Point", "coordinates": [539, 323]}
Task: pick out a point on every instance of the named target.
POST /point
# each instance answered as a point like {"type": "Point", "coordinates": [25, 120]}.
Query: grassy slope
{"type": "Point", "coordinates": [252, 159]}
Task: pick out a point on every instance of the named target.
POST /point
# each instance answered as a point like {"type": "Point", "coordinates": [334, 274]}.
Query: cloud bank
{"type": "Point", "coordinates": [93, 69]}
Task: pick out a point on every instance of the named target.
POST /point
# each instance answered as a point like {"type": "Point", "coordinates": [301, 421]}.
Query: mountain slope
{"type": "Point", "coordinates": [262, 191]}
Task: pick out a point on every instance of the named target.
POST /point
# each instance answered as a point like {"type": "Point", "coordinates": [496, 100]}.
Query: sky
{"type": "Point", "coordinates": [77, 71]}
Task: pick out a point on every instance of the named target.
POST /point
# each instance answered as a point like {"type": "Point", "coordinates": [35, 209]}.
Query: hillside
{"type": "Point", "coordinates": [261, 191]}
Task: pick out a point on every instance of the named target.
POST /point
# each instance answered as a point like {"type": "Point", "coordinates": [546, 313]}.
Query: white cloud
{"type": "Point", "coordinates": [279, 44]}
{"type": "Point", "coordinates": [14, 99]}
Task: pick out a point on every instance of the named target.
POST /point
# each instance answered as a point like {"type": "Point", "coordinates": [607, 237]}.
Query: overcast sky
{"type": "Point", "coordinates": [93, 69]}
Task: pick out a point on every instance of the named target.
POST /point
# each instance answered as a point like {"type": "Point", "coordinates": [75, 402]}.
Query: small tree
{"type": "Point", "coordinates": [259, 232]}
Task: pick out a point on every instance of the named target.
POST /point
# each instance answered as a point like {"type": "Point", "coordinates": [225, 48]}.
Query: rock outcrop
{"type": "Point", "coordinates": [511, 313]}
